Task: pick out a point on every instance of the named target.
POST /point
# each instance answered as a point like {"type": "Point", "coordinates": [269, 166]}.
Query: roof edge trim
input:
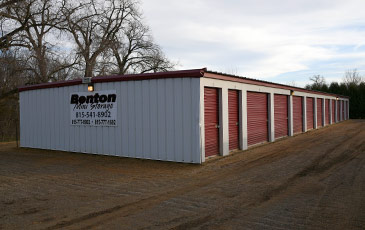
{"type": "Point", "coordinates": [234, 78]}
{"type": "Point", "coordinates": [194, 73]}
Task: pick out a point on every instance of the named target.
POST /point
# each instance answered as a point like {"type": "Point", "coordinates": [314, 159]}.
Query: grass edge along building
{"type": "Point", "coordinates": [180, 116]}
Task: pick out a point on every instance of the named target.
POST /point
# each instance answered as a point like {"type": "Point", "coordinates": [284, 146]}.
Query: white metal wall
{"type": "Point", "coordinates": [157, 119]}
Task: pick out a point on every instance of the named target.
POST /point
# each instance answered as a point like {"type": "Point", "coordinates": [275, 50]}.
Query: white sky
{"type": "Point", "coordinates": [283, 41]}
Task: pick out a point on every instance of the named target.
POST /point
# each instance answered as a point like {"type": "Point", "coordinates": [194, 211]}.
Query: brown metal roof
{"type": "Point", "coordinates": [194, 73]}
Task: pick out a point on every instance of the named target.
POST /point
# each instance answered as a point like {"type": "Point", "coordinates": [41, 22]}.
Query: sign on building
{"type": "Point", "coordinates": [97, 108]}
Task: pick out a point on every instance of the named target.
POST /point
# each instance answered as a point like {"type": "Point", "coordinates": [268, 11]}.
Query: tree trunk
{"type": "Point", "coordinates": [89, 68]}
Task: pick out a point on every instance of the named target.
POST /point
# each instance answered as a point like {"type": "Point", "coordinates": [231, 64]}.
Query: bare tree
{"type": "Point", "coordinates": [9, 24]}
{"type": "Point", "coordinates": [45, 59]}
{"type": "Point", "coordinates": [135, 52]}
{"type": "Point", "coordinates": [39, 20]}
{"type": "Point", "coordinates": [352, 77]}
{"type": "Point", "coordinates": [11, 64]}
{"type": "Point", "coordinates": [318, 80]}
{"type": "Point", "coordinates": [93, 24]}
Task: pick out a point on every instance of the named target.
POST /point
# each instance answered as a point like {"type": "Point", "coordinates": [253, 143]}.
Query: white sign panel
{"type": "Point", "coordinates": [97, 108]}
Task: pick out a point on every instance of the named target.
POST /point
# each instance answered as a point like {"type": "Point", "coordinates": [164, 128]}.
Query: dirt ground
{"type": "Point", "coordinates": [314, 180]}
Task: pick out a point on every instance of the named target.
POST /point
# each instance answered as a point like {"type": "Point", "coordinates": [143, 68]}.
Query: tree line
{"type": "Point", "coordinates": [51, 40]}
{"type": "Point", "coordinates": [353, 86]}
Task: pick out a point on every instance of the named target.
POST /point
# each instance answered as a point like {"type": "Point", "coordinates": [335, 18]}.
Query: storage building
{"type": "Point", "coordinates": [181, 116]}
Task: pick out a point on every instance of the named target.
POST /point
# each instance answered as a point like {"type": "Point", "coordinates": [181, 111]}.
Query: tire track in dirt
{"type": "Point", "coordinates": [311, 170]}
{"type": "Point", "coordinates": [211, 173]}
{"type": "Point", "coordinates": [333, 185]}
{"type": "Point", "coordinates": [316, 168]}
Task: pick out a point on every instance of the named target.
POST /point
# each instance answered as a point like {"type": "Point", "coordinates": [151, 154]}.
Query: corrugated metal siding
{"type": "Point", "coordinates": [281, 115]}
{"type": "Point", "coordinates": [328, 112]}
{"type": "Point", "coordinates": [157, 119]}
{"type": "Point", "coordinates": [310, 113]}
{"type": "Point", "coordinates": [257, 117]}
{"type": "Point", "coordinates": [211, 121]}
{"type": "Point", "coordinates": [233, 116]}
{"type": "Point", "coordinates": [319, 112]}
{"type": "Point", "coordinates": [297, 114]}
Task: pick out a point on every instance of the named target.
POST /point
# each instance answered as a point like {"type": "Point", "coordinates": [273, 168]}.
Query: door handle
{"type": "Point", "coordinates": [217, 126]}
{"type": "Point", "coordinates": [237, 123]}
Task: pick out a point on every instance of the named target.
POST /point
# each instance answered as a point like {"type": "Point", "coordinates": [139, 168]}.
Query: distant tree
{"type": "Point", "coordinates": [10, 26]}
{"type": "Point", "coordinates": [44, 60]}
{"type": "Point", "coordinates": [135, 52]}
{"type": "Point", "coordinates": [11, 64]}
{"type": "Point", "coordinates": [318, 82]}
{"type": "Point", "coordinates": [353, 86]}
{"type": "Point", "coordinates": [93, 24]}
{"type": "Point", "coordinates": [334, 88]}
{"type": "Point", "coordinates": [352, 77]}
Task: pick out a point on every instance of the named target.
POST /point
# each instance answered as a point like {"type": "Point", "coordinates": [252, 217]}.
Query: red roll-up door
{"type": "Point", "coordinates": [319, 112]}
{"type": "Point", "coordinates": [297, 114]}
{"type": "Point", "coordinates": [233, 116]}
{"type": "Point", "coordinates": [333, 111]}
{"type": "Point", "coordinates": [281, 115]}
{"type": "Point", "coordinates": [328, 112]}
{"type": "Point", "coordinates": [343, 111]}
{"type": "Point", "coordinates": [257, 118]}
{"type": "Point", "coordinates": [338, 111]}
{"type": "Point", "coordinates": [211, 121]}
{"type": "Point", "coordinates": [310, 115]}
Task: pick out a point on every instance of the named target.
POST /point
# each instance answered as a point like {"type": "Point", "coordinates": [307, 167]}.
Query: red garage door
{"type": "Point", "coordinates": [233, 116]}
{"type": "Point", "coordinates": [333, 111]}
{"type": "Point", "coordinates": [319, 112]}
{"type": "Point", "coordinates": [310, 115]}
{"type": "Point", "coordinates": [328, 112]}
{"type": "Point", "coordinates": [297, 114]}
{"type": "Point", "coordinates": [343, 111]}
{"type": "Point", "coordinates": [257, 118]}
{"type": "Point", "coordinates": [211, 121]}
{"type": "Point", "coordinates": [281, 115]}
{"type": "Point", "coordinates": [338, 111]}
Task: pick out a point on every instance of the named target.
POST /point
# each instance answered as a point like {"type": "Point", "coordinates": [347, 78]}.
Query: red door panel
{"type": "Point", "coordinates": [233, 119]}
{"type": "Point", "coordinates": [310, 115]}
{"type": "Point", "coordinates": [333, 111]}
{"type": "Point", "coordinates": [257, 118]}
{"type": "Point", "coordinates": [297, 114]}
{"type": "Point", "coordinates": [328, 112]}
{"type": "Point", "coordinates": [319, 112]}
{"type": "Point", "coordinates": [211, 121]}
{"type": "Point", "coordinates": [281, 115]}
{"type": "Point", "coordinates": [338, 111]}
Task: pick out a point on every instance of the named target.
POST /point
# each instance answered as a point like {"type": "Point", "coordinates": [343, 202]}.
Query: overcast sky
{"type": "Point", "coordinates": [283, 41]}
